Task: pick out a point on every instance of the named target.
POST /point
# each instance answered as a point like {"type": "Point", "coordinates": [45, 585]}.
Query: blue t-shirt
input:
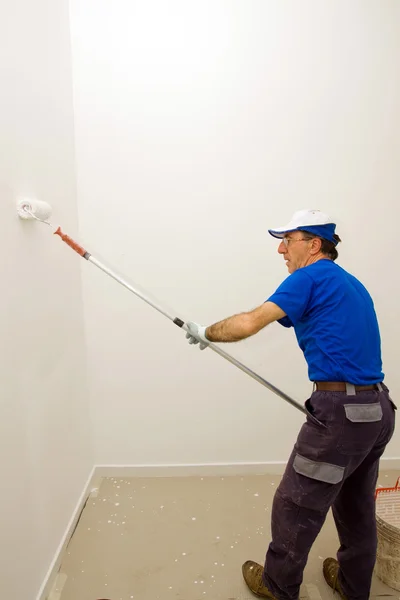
{"type": "Point", "coordinates": [335, 323]}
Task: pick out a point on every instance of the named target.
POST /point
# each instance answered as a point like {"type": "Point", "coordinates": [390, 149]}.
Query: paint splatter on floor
{"type": "Point", "coordinates": [187, 536]}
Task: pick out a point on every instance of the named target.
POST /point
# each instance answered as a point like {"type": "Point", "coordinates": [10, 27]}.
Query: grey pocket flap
{"type": "Point", "coordinates": [363, 413]}
{"type": "Point", "coordinates": [318, 470]}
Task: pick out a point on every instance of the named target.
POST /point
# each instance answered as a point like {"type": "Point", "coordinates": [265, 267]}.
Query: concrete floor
{"type": "Point", "coordinates": [183, 538]}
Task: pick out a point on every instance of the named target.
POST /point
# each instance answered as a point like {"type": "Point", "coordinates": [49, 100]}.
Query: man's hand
{"type": "Point", "coordinates": [196, 335]}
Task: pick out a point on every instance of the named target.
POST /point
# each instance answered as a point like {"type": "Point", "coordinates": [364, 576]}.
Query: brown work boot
{"type": "Point", "coordinates": [252, 573]}
{"type": "Point", "coordinates": [331, 571]}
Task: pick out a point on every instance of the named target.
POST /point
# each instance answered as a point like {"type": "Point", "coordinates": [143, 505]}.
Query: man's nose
{"type": "Point", "coordinates": [282, 248]}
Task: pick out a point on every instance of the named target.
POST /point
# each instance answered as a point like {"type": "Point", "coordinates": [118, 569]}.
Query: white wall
{"type": "Point", "coordinates": [45, 453]}
{"type": "Point", "coordinates": [198, 126]}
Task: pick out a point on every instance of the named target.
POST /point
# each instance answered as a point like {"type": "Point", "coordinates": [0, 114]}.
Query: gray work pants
{"type": "Point", "coordinates": [334, 464]}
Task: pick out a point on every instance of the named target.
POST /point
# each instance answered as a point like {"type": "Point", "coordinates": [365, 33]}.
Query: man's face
{"type": "Point", "coordinates": [295, 250]}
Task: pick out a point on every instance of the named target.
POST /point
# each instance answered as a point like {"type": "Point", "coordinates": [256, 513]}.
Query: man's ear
{"type": "Point", "coordinates": [316, 244]}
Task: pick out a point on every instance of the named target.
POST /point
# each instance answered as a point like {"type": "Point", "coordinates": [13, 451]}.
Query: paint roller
{"type": "Point", "coordinates": [32, 209]}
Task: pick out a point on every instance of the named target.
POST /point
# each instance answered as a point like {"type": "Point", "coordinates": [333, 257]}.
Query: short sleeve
{"type": "Point", "coordinates": [293, 297]}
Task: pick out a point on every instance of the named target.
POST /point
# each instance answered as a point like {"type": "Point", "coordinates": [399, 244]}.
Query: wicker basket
{"type": "Point", "coordinates": [387, 566]}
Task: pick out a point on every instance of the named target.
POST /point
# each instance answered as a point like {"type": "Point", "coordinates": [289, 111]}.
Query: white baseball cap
{"type": "Point", "coordinates": [311, 220]}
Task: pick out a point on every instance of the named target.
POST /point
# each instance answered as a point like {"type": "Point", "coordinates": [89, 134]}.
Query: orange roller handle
{"type": "Point", "coordinates": [71, 243]}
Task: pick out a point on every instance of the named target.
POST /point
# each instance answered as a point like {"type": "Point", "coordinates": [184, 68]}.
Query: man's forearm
{"type": "Point", "coordinates": [232, 329]}
{"type": "Point", "coordinates": [244, 325]}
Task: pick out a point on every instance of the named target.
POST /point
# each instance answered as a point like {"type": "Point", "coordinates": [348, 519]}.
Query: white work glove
{"type": "Point", "coordinates": [196, 334]}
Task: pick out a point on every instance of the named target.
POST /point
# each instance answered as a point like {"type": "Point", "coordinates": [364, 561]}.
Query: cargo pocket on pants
{"type": "Point", "coordinates": [313, 484]}
{"type": "Point", "coordinates": [361, 427]}
{"type": "Point", "coordinates": [321, 471]}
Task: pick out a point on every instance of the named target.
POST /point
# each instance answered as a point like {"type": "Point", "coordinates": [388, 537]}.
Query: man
{"type": "Point", "coordinates": [350, 416]}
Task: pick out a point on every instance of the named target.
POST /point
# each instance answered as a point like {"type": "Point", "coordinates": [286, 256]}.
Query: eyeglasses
{"type": "Point", "coordinates": [287, 241]}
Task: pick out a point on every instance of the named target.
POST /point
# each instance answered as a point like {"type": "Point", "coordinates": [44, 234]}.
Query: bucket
{"type": "Point", "coordinates": [387, 566]}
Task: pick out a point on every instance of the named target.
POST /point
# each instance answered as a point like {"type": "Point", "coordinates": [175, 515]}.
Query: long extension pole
{"type": "Point", "coordinates": [176, 320]}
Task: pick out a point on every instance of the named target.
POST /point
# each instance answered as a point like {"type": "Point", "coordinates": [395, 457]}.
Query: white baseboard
{"type": "Point", "coordinates": [190, 470]}
{"type": "Point", "coordinates": [210, 469]}
{"type": "Point", "coordinates": [46, 587]}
